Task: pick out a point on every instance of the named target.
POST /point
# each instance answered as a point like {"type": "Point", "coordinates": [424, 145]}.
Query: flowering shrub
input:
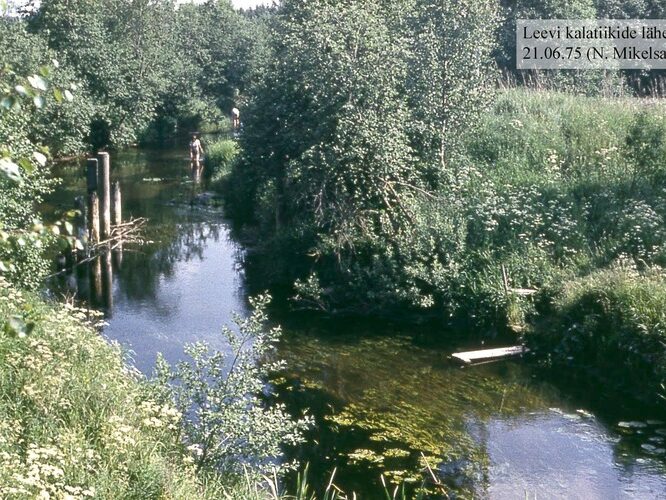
{"type": "Point", "coordinates": [75, 422]}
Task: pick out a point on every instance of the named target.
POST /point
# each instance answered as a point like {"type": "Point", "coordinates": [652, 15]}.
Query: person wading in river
{"type": "Point", "coordinates": [195, 149]}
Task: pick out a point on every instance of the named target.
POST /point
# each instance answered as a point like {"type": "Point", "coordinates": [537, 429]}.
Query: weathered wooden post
{"type": "Point", "coordinates": [117, 221]}
{"type": "Point", "coordinates": [117, 205]}
{"type": "Point", "coordinates": [93, 217]}
{"type": "Point", "coordinates": [107, 281]}
{"type": "Point", "coordinates": [118, 256]}
{"type": "Point", "coordinates": [81, 222]}
{"type": "Point", "coordinates": [93, 202]}
{"type": "Point", "coordinates": [91, 175]}
{"type": "Point", "coordinates": [104, 177]}
{"type": "Point", "coordinates": [96, 281]}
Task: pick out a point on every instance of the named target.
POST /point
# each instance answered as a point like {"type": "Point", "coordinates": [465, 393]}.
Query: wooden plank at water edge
{"type": "Point", "coordinates": [489, 354]}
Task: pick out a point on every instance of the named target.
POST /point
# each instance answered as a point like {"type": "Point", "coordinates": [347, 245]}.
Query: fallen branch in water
{"type": "Point", "coordinates": [122, 234]}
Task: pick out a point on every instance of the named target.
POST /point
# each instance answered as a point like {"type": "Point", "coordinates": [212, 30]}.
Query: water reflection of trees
{"type": "Point", "coordinates": [144, 267]}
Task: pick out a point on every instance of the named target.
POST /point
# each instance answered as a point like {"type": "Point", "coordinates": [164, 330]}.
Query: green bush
{"type": "Point", "coordinates": [220, 158]}
{"type": "Point", "coordinates": [611, 325]}
{"type": "Point", "coordinates": [224, 420]}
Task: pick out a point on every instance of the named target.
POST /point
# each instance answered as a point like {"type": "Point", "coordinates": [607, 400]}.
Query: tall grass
{"type": "Point", "coordinates": [220, 158]}
{"type": "Point", "coordinates": [611, 326]}
{"type": "Point", "coordinates": [563, 185]}
{"type": "Point", "coordinates": [570, 195]}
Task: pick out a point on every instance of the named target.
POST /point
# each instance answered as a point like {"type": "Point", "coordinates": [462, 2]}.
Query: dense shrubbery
{"type": "Point", "coordinates": [611, 327]}
{"type": "Point", "coordinates": [75, 420]}
{"type": "Point", "coordinates": [546, 205]}
{"type": "Point", "coordinates": [343, 145]}
{"type": "Point", "coordinates": [383, 187]}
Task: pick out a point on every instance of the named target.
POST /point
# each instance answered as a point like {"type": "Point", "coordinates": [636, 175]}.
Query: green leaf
{"type": "Point", "coordinates": [45, 71]}
{"type": "Point", "coordinates": [57, 94]}
{"type": "Point", "coordinates": [26, 164]}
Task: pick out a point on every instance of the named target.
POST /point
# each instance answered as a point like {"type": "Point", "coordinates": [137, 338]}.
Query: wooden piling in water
{"type": "Point", "coordinates": [118, 256]}
{"type": "Point", "coordinates": [93, 217]}
{"type": "Point", "coordinates": [96, 281]}
{"type": "Point", "coordinates": [104, 188]}
{"type": "Point", "coordinates": [107, 281]}
{"type": "Point", "coordinates": [117, 205]}
{"type": "Point", "coordinates": [91, 175]}
{"type": "Point", "coordinates": [81, 223]}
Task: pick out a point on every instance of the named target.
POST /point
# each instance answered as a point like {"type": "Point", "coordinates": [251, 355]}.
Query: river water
{"type": "Point", "coordinates": [386, 400]}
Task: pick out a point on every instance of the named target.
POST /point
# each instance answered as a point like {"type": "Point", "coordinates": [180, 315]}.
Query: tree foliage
{"type": "Point", "coordinates": [23, 180]}
{"type": "Point", "coordinates": [353, 127]}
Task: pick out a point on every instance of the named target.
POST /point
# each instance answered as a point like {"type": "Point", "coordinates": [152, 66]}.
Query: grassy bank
{"type": "Point", "coordinates": [610, 326]}
{"type": "Point", "coordinates": [579, 200]}
{"type": "Point", "coordinates": [220, 158]}
{"type": "Point", "coordinates": [75, 421]}
{"type": "Point", "coordinates": [567, 185]}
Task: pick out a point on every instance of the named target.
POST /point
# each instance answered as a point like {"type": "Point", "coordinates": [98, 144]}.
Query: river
{"type": "Point", "coordinates": [385, 398]}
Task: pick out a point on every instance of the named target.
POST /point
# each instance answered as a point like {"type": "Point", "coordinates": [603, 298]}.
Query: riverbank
{"type": "Point", "coordinates": [608, 329]}
{"type": "Point", "coordinates": [76, 420]}
{"type": "Point", "coordinates": [551, 188]}
{"type": "Point", "coordinates": [581, 218]}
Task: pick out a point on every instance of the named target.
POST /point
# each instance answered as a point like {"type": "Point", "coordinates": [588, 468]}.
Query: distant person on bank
{"type": "Point", "coordinates": [235, 118]}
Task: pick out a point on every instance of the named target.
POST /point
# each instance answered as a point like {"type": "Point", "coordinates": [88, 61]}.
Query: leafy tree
{"type": "Point", "coordinates": [58, 122]}
{"type": "Point", "coordinates": [123, 49]}
{"type": "Point", "coordinates": [449, 77]}
{"type": "Point", "coordinates": [345, 137]}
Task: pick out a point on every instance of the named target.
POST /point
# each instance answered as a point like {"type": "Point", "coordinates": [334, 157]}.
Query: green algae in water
{"type": "Point", "coordinates": [395, 409]}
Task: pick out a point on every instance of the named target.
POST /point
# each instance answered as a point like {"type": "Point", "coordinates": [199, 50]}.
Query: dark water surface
{"type": "Point", "coordinates": [386, 400]}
